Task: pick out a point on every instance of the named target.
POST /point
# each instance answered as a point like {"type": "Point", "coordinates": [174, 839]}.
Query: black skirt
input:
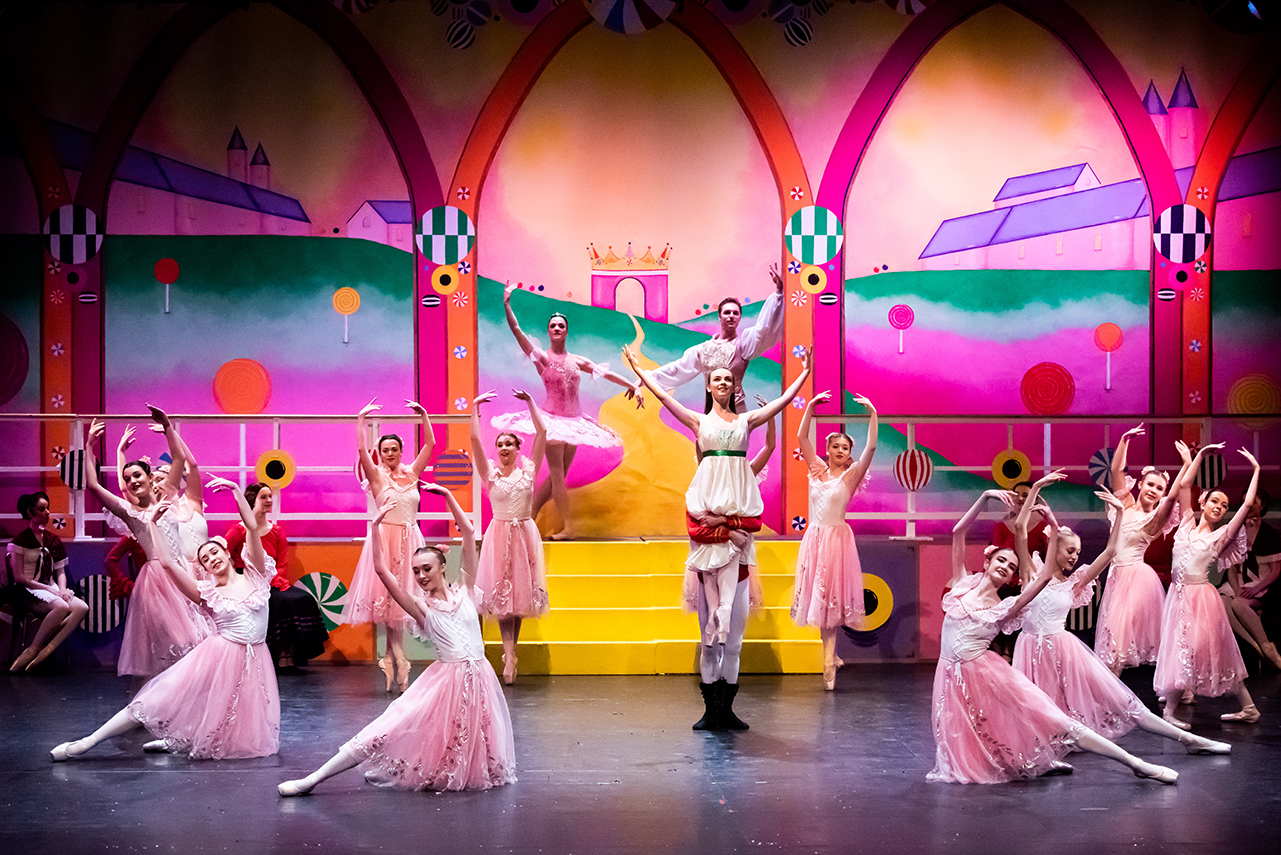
{"type": "Point", "coordinates": [295, 627]}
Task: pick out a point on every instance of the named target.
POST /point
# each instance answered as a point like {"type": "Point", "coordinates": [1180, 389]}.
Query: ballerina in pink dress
{"type": "Point", "coordinates": [220, 701]}
{"type": "Point", "coordinates": [188, 530]}
{"type": "Point", "coordinates": [1128, 632]}
{"type": "Point", "coordinates": [451, 730]}
{"type": "Point", "coordinates": [991, 724]}
{"type": "Point", "coordinates": [567, 426]}
{"type": "Point", "coordinates": [829, 578]}
{"type": "Point", "coordinates": [1056, 660]}
{"type": "Point", "coordinates": [388, 480]}
{"type": "Point", "coordinates": [162, 625]}
{"type": "Point", "coordinates": [1199, 653]}
{"type": "Point", "coordinates": [512, 578]}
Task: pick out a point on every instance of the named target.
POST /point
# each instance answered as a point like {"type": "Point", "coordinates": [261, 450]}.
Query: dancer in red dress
{"type": "Point", "coordinates": [829, 578]}
{"type": "Point", "coordinates": [451, 730]}
{"type": "Point", "coordinates": [220, 701]}
{"type": "Point", "coordinates": [992, 724]}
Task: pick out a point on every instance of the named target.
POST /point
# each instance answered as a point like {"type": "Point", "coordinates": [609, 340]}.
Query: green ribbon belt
{"type": "Point", "coordinates": [728, 452]}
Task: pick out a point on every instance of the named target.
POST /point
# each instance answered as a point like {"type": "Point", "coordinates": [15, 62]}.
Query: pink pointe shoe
{"type": "Point", "coordinates": [1249, 714]}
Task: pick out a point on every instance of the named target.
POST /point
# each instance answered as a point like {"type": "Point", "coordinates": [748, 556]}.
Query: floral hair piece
{"type": "Point", "coordinates": [1165, 478]}
{"type": "Point", "coordinates": [989, 549]}
{"type": "Point", "coordinates": [442, 548]}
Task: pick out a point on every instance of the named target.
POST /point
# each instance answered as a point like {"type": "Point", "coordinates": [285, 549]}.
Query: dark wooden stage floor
{"type": "Point", "coordinates": [609, 765]}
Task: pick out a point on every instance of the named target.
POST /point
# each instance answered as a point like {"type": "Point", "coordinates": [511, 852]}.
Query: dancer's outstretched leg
{"type": "Point", "coordinates": [121, 722]}
{"type": "Point", "coordinates": [340, 762]}
{"type": "Point", "coordinates": [1092, 742]}
{"type": "Point", "coordinates": [1195, 744]}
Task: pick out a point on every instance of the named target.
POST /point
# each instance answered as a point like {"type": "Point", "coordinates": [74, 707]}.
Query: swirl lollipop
{"type": "Point", "coordinates": [901, 317]}
{"type": "Point", "coordinates": [346, 302]}
{"type": "Point", "coordinates": [1107, 338]}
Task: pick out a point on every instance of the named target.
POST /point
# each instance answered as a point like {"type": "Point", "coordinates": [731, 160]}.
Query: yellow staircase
{"type": "Point", "coordinates": [615, 609]}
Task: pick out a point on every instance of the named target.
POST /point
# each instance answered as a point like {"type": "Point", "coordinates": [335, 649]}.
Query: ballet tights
{"type": "Point", "coordinates": [340, 762]}
{"type": "Point", "coordinates": [721, 661]}
{"type": "Point", "coordinates": [121, 722]}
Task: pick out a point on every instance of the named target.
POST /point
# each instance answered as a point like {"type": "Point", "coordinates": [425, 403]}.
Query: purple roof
{"type": "Point", "coordinates": [147, 169]}
{"type": "Point", "coordinates": [1039, 182]}
{"type": "Point", "coordinates": [1247, 175]}
{"type": "Point", "coordinates": [1152, 101]}
{"type": "Point", "coordinates": [1182, 95]}
{"type": "Point", "coordinates": [393, 211]}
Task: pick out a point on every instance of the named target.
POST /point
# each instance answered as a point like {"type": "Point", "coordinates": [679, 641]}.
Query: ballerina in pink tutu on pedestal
{"type": "Point", "coordinates": [220, 701]}
{"type": "Point", "coordinates": [451, 730]}
{"type": "Point", "coordinates": [567, 426]}
{"type": "Point", "coordinates": [162, 625]}
{"type": "Point", "coordinates": [388, 479]}
{"type": "Point", "coordinates": [992, 724]}
{"type": "Point", "coordinates": [1056, 660]}
{"type": "Point", "coordinates": [829, 578]}
{"type": "Point", "coordinates": [1128, 632]}
{"type": "Point", "coordinates": [512, 578]}
{"type": "Point", "coordinates": [1199, 653]}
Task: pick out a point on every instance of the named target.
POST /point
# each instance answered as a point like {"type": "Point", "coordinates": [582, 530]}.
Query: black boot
{"type": "Point", "coordinates": [709, 719]}
{"type": "Point", "coordinates": [728, 721]}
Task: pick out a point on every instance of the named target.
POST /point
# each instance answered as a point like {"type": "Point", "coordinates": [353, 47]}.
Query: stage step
{"type": "Point", "coordinates": [616, 609]}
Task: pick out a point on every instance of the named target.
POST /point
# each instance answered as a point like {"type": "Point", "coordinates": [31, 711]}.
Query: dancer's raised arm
{"type": "Point", "coordinates": [195, 489]}
{"type": "Point", "coordinates": [110, 501]}
{"type": "Point", "coordinates": [683, 414]}
{"type": "Point", "coordinates": [122, 457]}
{"type": "Point", "coordinates": [402, 597]}
{"type": "Point", "coordinates": [1081, 578]}
{"type": "Point", "coordinates": [858, 471]}
{"type": "Point", "coordinates": [253, 551]}
{"type": "Point", "coordinates": [962, 527]}
{"type": "Point", "coordinates": [758, 417]}
{"type": "Point", "coordinates": [1118, 465]}
{"type": "Point", "coordinates": [479, 460]}
{"type": "Point", "coordinates": [1023, 518]}
{"type": "Point", "coordinates": [1031, 589]}
{"type": "Point", "coordinates": [367, 465]}
{"type": "Point", "coordinates": [523, 340]}
{"type": "Point", "coordinates": [182, 580]}
{"type": "Point", "coordinates": [540, 428]}
{"type": "Point", "coordinates": [468, 565]}
{"type": "Point", "coordinates": [429, 439]}
{"type": "Point", "coordinates": [1187, 474]}
{"type": "Point", "coordinates": [177, 455]}
{"type": "Point", "coordinates": [803, 432]}
{"type": "Point", "coordinates": [771, 440]}
{"type": "Point", "coordinates": [1238, 519]}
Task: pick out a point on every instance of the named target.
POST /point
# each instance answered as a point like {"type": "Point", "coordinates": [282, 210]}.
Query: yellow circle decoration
{"type": "Point", "coordinates": [275, 468]}
{"type": "Point", "coordinates": [1255, 393]}
{"type": "Point", "coordinates": [884, 602]}
{"type": "Point", "coordinates": [1011, 467]}
{"type": "Point", "coordinates": [445, 279]}
{"type": "Point", "coordinates": [813, 279]}
{"type": "Point", "coordinates": [346, 301]}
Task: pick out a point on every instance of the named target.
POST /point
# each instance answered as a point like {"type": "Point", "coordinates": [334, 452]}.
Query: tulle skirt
{"type": "Point", "coordinates": [573, 430]}
{"type": "Point", "coordinates": [1128, 632]}
{"type": "Point", "coordinates": [511, 578]}
{"type": "Point", "coordinates": [218, 702]}
{"type": "Point", "coordinates": [1077, 682]}
{"type": "Point", "coordinates": [295, 625]}
{"type": "Point", "coordinates": [1199, 652]}
{"type": "Point", "coordinates": [991, 724]}
{"type": "Point", "coordinates": [161, 626]}
{"type": "Point", "coordinates": [449, 731]}
{"type": "Point", "coordinates": [367, 599]}
{"type": "Point", "coordinates": [829, 579]}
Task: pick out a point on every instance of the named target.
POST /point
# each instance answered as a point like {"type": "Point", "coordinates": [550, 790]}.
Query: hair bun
{"type": "Point", "coordinates": [443, 548]}
{"type": "Point", "coordinates": [989, 549]}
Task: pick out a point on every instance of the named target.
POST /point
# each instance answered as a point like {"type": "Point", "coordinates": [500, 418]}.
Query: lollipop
{"type": "Point", "coordinates": [346, 302]}
{"type": "Point", "coordinates": [901, 317]}
{"type": "Point", "coordinates": [912, 469]}
{"type": "Point", "coordinates": [1107, 338]}
{"type": "Point", "coordinates": [166, 271]}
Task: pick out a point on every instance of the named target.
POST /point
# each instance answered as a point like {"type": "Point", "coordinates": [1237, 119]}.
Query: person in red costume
{"type": "Point", "coordinates": [122, 582]}
{"type": "Point", "coordinates": [295, 628]}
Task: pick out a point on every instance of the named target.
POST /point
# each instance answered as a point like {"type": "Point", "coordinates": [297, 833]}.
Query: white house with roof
{"type": "Point", "coordinates": [389, 222]}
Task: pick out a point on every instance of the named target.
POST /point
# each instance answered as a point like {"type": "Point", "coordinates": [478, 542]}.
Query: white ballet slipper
{"type": "Point", "coordinates": [67, 751]}
{"type": "Point", "coordinates": [299, 787]}
{"type": "Point", "coordinates": [1160, 774]}
{"type": "Point", "coordinates": [156, 746]}
{"type": "Point", "coordinates": [1201, 745]}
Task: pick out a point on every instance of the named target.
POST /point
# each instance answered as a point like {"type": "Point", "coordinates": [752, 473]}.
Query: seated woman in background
{"type": "Point", "coordinates": [295, 628]}
{"type": "Point", "coordinates": [37, 582]}
{"type": "Point", "coordinates": [1249, 581]}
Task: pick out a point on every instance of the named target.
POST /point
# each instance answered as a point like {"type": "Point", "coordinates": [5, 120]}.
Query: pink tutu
{"type": "Point", "coordinates": [449, 731]}
{"type": "Point", "coordinates": [367, 599]}
{"type": "Point", "coordinates": [1199, 652]}
{"type": "Point", "coordinates": [572, 430]}
{"type": "Point", "coordinates": [829, 579]}
{"type": "Point", "coordinates": [220, 701]}
{"type": "Point", "coordinates": [1077, 682]}
{"type": "Point", "coordinates": [161, 626]}
{"type": "Point", "coordinates": [991, 724]}
{"type": "Point", "coordinates": [511, 578]}
{"type": "Point", "coordinates": [1129, 627]}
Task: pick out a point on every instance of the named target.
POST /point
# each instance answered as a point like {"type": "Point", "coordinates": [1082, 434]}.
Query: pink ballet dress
{"type": "Point", "coordinates": [161, 625]}
{"type": "Point", "coordinates": [1128, 632]}
{"type": "Point", "coordinates": [367, 599]}
{"type": "Point", "coordinates": [562, 415]}
{"type": "Point", "coordinates": [1199, 652]}
{"type": "Point", "coordinates": [1062, 666]}
{"type": "Point", "coordinates": [220, 701]}
{"type": "Point", "coordinates": [829, 578]}
{"type": "Point", "coordinates": [511, 580]}
{"type": "Point", "coordinates": [991, 724]}
{"type": "Point", "coordinates": [450, 730]}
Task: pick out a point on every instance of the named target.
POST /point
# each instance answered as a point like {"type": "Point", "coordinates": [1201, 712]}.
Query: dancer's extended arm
{"type": "Point", "coordinates": [1118, 465]}
{"type": "Point", "coordinates": [1081, 578]}
{"type": "Point", "coordinates": [858, 471]}
{"type": "Point", "coordinates": [540, 428]}
{"type": "Point", "coordinates": [758, 417]}
{"type": "Point", "coordinates": [1238, 519]}
{"type": "Point", "coordinates": [467, 566]}
{"type": "Point", "coordinates": [402, 597]}
{"type": "Point", "coordinates": [429, 439]}
{"type": "Point", "coordinates": [195, 490]}
{"type": "Point", "coordinates": [253, 553]}
{"type": "Point", "coordinates": [122, 457]}
{"type": "Point", "coordinates": [1187, 475]}
{"type": "Point", "coordinates": [771, 440]}
{"type": "Point", "coordinates": [683, 414]}
{"type": "Point", "coordinates": [479, 460]}
{"type": "Point", "coordinates": [523, 340]}
{"type": "Point", "coordinates": [109, 501]}
{"type": "Point", "coordinates": [963, 526]}
{"type": "Point", "coordinates": [370, 469]}
{"type": "Point", "coordinates": [177, 453]}
{"type": "Point", "coordinates": [1024, 518]}
{"type": "Point", "coordinates": [172, 565]}
{"type": "Point", "coordinates": [803, 432]}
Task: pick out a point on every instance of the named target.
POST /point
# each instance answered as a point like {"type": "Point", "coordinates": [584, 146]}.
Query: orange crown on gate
{"type": "Point", "coordinates": [629, 261]}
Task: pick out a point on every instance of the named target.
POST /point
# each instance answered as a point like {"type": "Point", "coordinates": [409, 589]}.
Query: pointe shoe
{"type": "Point", "coordinates": [389, 671]}
{"type": "Point", "coordinates": [566, 533]}
{"type": "Point", "coordinates": [67, 751]}
{"type": "Point", "coordinates": [402, 673]}
{"type": "Point", "coordinates": [156, 746]}
{"type": "Point", "coordinates": [24, 660]}
{"type": "Point", "coordinates": [1201, 745]}
{"type": "Point", "coordinates": [1181, 725]}
{"type": "Point", "coordinates": [1269, 651]}
{"type": "Point", "coordinates": [1058, 767]}
{"type": "Point", "coordinates": [509, 669]}
{"type": "Point", "coordinates": [1160, 774]}
{"type": "Point", "coordinates": [1187, 699]}
{"type": "Point", "coordinates": [299, 787]}
{"type": "Point", "coordinates": [1249, 714]}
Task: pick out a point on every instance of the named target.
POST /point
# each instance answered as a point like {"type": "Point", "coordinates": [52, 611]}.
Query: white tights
{"type": "Point", "coordinates": [720, 660]}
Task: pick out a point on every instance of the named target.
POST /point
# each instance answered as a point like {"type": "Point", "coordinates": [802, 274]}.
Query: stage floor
{"type": "Point", "coordinates": [609, 765]}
